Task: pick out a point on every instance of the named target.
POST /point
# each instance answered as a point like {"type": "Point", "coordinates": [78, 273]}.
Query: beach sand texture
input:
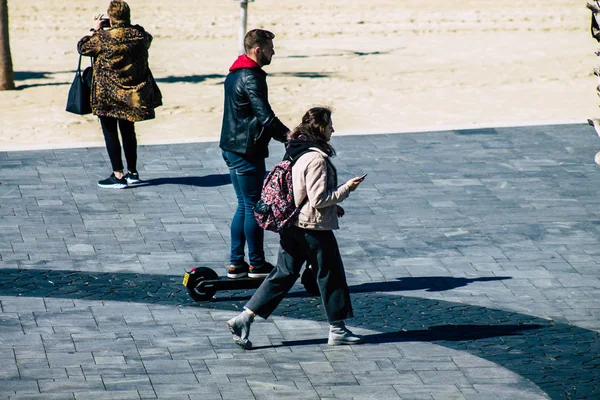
{"type": "Point", "coordinates": [389, 66]}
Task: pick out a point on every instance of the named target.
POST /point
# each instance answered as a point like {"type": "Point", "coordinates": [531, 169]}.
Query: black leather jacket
{"type": "Point", "coordinates": [249, 123]}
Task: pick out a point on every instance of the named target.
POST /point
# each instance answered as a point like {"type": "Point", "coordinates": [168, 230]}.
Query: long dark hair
{"type": "Point", "coordinates": [312, 128]}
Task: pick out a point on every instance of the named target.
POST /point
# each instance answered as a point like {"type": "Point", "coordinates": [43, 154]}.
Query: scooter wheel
{"type": "Point", "coordinates": [309, 281]}
{"type": "Point", "coordinates": [194, 286]}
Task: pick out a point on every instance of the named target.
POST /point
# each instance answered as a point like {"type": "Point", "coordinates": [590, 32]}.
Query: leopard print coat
{"type": "Point", "coordinates": [122, 85]}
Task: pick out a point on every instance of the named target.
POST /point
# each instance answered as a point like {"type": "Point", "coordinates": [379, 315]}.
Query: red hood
{"type": "Point", "coordinates": [243, 61]}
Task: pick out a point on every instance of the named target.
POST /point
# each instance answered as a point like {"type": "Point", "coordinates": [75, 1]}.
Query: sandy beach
{"type": "Point", "coordinates": [390, 66]}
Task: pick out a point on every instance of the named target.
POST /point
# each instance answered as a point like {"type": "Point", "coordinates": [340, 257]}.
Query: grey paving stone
{"type": "Point", "coordinates": [177, 390]}
{"type": "Point", "coordinates": [522, 390]}
{"type": "Point", "coordinates": [126, 383]}
{"type": "Point", "coordinates": [167, 366]}
{"type": "Point", "coordinates": [509, 222]}
{"type": "Point", "coordinates": [112, 395]}
{"type": "Point", "coordinates": [285, 391]}
{"type": "Point", "coordinates": [45, 396]}
{"type": "Point", "coordinates": [73, 385]}
{"type": "Point", "coordinates": [490, 375]}
{"type": "Point", "coordinates": [384, 378]}
{"type": "Point", "coordinates": [324, 376]}
{"type": "Point", "coordinates": [364, 392]}
{"type": "Point", "coordinates": [72, 359]}
{"type": "Point", "coordinates": [10, 386]}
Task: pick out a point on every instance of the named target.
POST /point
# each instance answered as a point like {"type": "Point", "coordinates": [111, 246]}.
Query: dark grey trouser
{"type": "Point", "coordinates": [321, 250]}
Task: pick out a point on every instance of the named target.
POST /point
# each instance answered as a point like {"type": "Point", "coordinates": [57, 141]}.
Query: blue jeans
{"type": "Point", "coordinates": [247, 175]}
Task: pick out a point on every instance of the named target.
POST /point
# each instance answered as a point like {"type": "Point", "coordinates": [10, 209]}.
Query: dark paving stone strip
{"type": "Point", "coordinates": [563, 360]}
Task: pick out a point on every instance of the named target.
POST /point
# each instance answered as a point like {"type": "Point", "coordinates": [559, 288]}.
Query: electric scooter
{"type": "Point", "coordinates": [202, 283]}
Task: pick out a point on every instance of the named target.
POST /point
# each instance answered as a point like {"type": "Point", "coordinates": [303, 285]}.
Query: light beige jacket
{"type": "Point", "coordinates": [315, 176]}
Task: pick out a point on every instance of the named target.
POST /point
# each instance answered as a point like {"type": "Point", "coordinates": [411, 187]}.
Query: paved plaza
{"type": "Point", "coordinates": [472, 257]}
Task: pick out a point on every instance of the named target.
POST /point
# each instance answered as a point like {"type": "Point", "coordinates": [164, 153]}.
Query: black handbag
{"type": "Point", "coordinates": [79, 101]}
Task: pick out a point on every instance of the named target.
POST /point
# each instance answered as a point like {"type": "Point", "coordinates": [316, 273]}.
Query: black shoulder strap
{"type": "Point", "coordinates": [293, 160]}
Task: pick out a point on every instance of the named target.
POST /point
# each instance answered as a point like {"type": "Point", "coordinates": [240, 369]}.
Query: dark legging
{"type": "Point", "coordinates": [113, 146]}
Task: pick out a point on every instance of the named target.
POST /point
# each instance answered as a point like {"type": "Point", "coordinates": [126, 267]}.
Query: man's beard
{"type": "Point", "coordinates": [264, 60]}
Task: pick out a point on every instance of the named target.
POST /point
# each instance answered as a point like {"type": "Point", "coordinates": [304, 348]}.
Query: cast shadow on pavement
{"type": "Point", "coordinates": [203, 78]}
{"type": "Point", "coordinates": [200, 181]}
{"type": "Point", "coordinates": [342, 54]}
{"type": "Point", "coordinates": [302, 74]}
{"type": "Point", "coordinates": [26, 75]}
{"type": "Point", "coordinates": [150, 288]}
{"type": "Point", "coordinates": [189, 78]}
{"type": "Point", "coordinates": [561, 359]}
{"type": "Point", "coordinates": [432, 334]}
{"type": "Point", "coordinates": [427, 283]}
{"type": "Point", "coordinates": [29, 75]}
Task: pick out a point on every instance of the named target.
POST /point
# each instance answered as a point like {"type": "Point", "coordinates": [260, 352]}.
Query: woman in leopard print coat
{"type": "Point", "coordinates": [123, 88]}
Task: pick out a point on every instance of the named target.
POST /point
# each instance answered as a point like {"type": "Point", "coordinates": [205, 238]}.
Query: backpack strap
{"type": "Point", "coordinates": [292, 162]}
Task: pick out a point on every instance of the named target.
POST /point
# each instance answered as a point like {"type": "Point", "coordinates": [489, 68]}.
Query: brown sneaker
{"type": "Point", "coordinates": [260, 272]}
{"type": "Point", "coordinates": [237, 271]}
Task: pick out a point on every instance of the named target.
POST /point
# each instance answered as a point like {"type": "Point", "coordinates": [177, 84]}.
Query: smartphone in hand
{"type": "Point", "coordinates": [362, 177]}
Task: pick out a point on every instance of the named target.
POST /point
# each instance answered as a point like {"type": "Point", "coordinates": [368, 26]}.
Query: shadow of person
{"type": "Point", "coordinates": [201, 181]}
{"type": "Point", "coordinates": [560, 358]}
{"type": "Point", "coordinates": [438, 333]}
{"type": "Point", "coordinates": [428, 283]}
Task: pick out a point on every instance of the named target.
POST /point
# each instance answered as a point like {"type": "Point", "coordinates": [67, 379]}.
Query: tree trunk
{"type": "Point", "coordinates": [7, 76]}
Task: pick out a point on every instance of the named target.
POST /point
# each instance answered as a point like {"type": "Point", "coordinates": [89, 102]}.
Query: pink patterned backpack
{"type": "Point", "coordinates": [276, 208]}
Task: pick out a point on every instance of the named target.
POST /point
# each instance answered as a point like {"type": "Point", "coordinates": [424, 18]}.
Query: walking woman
{"type": "Point", "coordinates": [123, 89]}
{"type": "Point", "coordinates": [311, 238]}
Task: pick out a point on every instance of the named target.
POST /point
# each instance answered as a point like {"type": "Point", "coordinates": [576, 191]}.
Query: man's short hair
{"type": "Point", "coordinates": [118, 10]}
{"type": "Point", "coordinates": [257, 37]}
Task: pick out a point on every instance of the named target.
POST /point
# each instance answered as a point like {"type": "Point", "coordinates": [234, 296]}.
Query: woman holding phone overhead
{"type": "Point", "coordinates": [310, 239]}
{"type": "Point", "coordinates": [123, 88]}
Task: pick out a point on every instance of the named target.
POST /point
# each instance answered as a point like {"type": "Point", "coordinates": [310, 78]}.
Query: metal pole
{"type": "Point", "coordinates": [243, 23]}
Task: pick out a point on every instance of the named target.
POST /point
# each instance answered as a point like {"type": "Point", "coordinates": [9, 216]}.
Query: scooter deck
{"type": "Point", "coordinates": [202, 283]}
{"type": "Point", "coordinates": [225, 283]}
{"type": "Point", "coordinates": [207, 279]}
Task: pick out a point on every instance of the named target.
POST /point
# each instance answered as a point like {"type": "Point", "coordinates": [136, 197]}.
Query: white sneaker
{"type": "Point", "coordinates": [240, 329]}
{"type": "Point", "coordinates": [340, 335]}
